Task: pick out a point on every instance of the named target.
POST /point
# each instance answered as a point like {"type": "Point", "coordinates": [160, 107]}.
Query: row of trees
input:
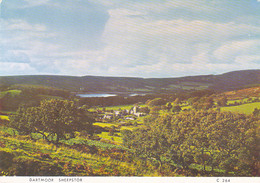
{"type": "Point", "coordinates": [54, 119]}
{"type": "Point", "coordinates": [210, 138]}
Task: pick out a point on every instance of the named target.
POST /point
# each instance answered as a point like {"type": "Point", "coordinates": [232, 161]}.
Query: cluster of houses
{"type": "Point", "coordinates": [126, 114]}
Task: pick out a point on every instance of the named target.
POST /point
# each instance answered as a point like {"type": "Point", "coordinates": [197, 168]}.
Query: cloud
{"type": "Point", "coordinates": [157, 48]}
{"type": "Point", "coordinates": [14, 56]}
{"type": "Point", "coordinates": [159, 5]}
{"type": "Point", "coordinates": [16, 69]}
{"type": "Point", "coordinates": [77, 24]}
{"type": "Point", "coordinates": [176, 40]}
{"type": "Point", "coordinates": [229, 51]}
{"type": "Point", "coordinates": [132, 38]}
{"type": "Point", "coordinates": [36, 3]}
{"type": "Point", "coordinates": [247, 59]}
{"type": "Point", "coordinates": [21, 25]}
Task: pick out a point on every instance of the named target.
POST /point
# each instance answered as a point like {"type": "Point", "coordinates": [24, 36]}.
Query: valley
{"type": "Point", "coordinates": [190, 131]}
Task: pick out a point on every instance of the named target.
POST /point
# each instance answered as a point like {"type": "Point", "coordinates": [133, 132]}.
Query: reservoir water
{"type": "Point", "coordinates": [96, 95]}
{"type": "Point", "coordinates": [83, 95]}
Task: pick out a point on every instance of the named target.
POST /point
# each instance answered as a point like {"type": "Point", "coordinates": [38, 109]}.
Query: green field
{"type": "Point", "coordinates": [3, 117]}
{"type": "Point", "coordinates": [245, 100]}
{"type": "Point", "coordinates": [244, 108]}
{"type": "Point", "coordinates": [105, 124]}
{"type": "Point", "coordinates": [11, 92]}
{"type": "Point", "coordinates": [116, 139]}
{"type": "Point", "coordinates": [128, 128]}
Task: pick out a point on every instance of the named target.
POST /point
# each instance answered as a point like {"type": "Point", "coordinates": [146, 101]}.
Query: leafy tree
{"type": "Point", "coordinates": [256, 112]}
{"type": "Point", "coordinates": [169, 106]}
{"type": "Point", "coordinates": [148, 142]}
{"type": "Point", "coordinates": [207, 137]}
{"type": "Point", "coordinates": [202, 103]}
{"type": "Point", "coordinates": [156, 102]}
{"type": "Point", "coordinates": [144, 110]}
{"type": "Point", "coordinates": [176, 108]}
{"type": "Point", "coordinates": [177, 101]}
{"type": "Point", "coordinates": [54, 119]}
{"type": "Point", "coordinates": [222, 101]}
{"type": "Point", "coordinates": [155, 110]}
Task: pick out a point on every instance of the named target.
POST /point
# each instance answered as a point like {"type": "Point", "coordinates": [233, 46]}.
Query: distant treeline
{"type": "Point", "coordinates": [120, 100]}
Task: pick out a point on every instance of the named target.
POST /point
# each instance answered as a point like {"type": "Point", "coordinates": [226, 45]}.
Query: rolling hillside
{"type": "Point", "coordinates": [222, 82]}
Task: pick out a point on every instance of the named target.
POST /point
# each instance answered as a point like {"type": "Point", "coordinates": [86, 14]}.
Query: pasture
{"type": "Point", "coordinates": [13, 93]}
{"type": "Point", "coordinates": [4, 117]}
{"type": "Point", "coordinates": [244, 108]}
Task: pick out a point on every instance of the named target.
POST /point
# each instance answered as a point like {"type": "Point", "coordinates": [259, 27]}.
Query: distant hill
{"type": "Point", "coordinates": [222, 82]}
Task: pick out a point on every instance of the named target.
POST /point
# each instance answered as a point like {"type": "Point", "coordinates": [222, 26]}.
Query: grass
{"type": "Point", "coordinates": [12, 92]}
{"type": "Point", "coordinates": [189, 85]}
{"type": "Point", "coordinates": [244, 108]}
{"type": "Point", "coordinates": [245, 100]}
{"type": "Point", "coordinates": [187, 107]}
{"type": "Point", "coordinates": [100, 163]}
{"type": "Point", "coordinates": [8, 112]}
{"type": "Point", "coordinates": [105, 124]}
{"type": "Point", "coordinates": [98, 144]}
{"type": "Point", "coordinates": [7, 130]}
{"type": "Point", "coordinates": [3, 117]}
{"type": "Point", "coordinates": [117, 139]}
{"type": "Point", "coordinates": [131, 128]}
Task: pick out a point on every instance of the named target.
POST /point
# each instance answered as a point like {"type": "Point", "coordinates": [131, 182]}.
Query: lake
{"type": "Point", "coordinates": [96, 95]}
{"type": "Point", "coordinates": [84, 95]}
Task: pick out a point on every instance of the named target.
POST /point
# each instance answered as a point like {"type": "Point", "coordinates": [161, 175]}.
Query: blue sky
{"type": "Point", "coordinates": [143, 38]}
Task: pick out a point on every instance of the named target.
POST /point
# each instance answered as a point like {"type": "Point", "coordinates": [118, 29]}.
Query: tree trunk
{"type": "Point", "coordinates": [57, 139]}
{"type": "Point", "coordinates": [14, 132]}
{"type": "Point", "coordinates": [160, 165]}
{"type": "Point", "coordinates": [212, 168]}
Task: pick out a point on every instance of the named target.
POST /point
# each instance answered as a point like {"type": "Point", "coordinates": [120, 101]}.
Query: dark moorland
{"type": "Point", "coordinates": [226, 81]}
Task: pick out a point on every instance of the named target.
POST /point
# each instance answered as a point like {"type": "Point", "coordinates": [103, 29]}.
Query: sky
{"type": "Point", "coordinates": [133, 38]}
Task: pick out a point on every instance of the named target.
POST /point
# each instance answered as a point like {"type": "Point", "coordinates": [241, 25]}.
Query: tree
{"type": "Point", "coordinates": [144, 110]}
{"type": "Point", "coordinates": [169, 106]}
{"type": "Point", "coordinates": [155, 110]}
{"type": "Point", "coordinates": [177, 101]}
{"type": "Point", "coordinates": [55, 119]}
{"type": "Point", "coordinates": [222, 101]}
{"type": "Point", "coordinates": [176, 108]}
{"type": "Point", "coordinates": [256, 112]}
{"type": "Point", "coordinates": [226, 140]}
{"type": "Point", "coordinates": [156, 102]}
{"type": "Point", "coordinates": [148, 142]}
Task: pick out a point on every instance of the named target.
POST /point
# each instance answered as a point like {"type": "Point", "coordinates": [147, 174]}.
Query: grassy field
{"type": "Point", "coordinates": [244, 108]}
{"type": "Point", "coordinates": [245, 100]}
{"type": "Point", "coordinates": [12, 92]}
{"type": "Point", "coordinates": [116, 139]}
{"type": "Point", "coordinates": [3, 117]}
{"type": "Point", "coordinates": [105, 124]}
